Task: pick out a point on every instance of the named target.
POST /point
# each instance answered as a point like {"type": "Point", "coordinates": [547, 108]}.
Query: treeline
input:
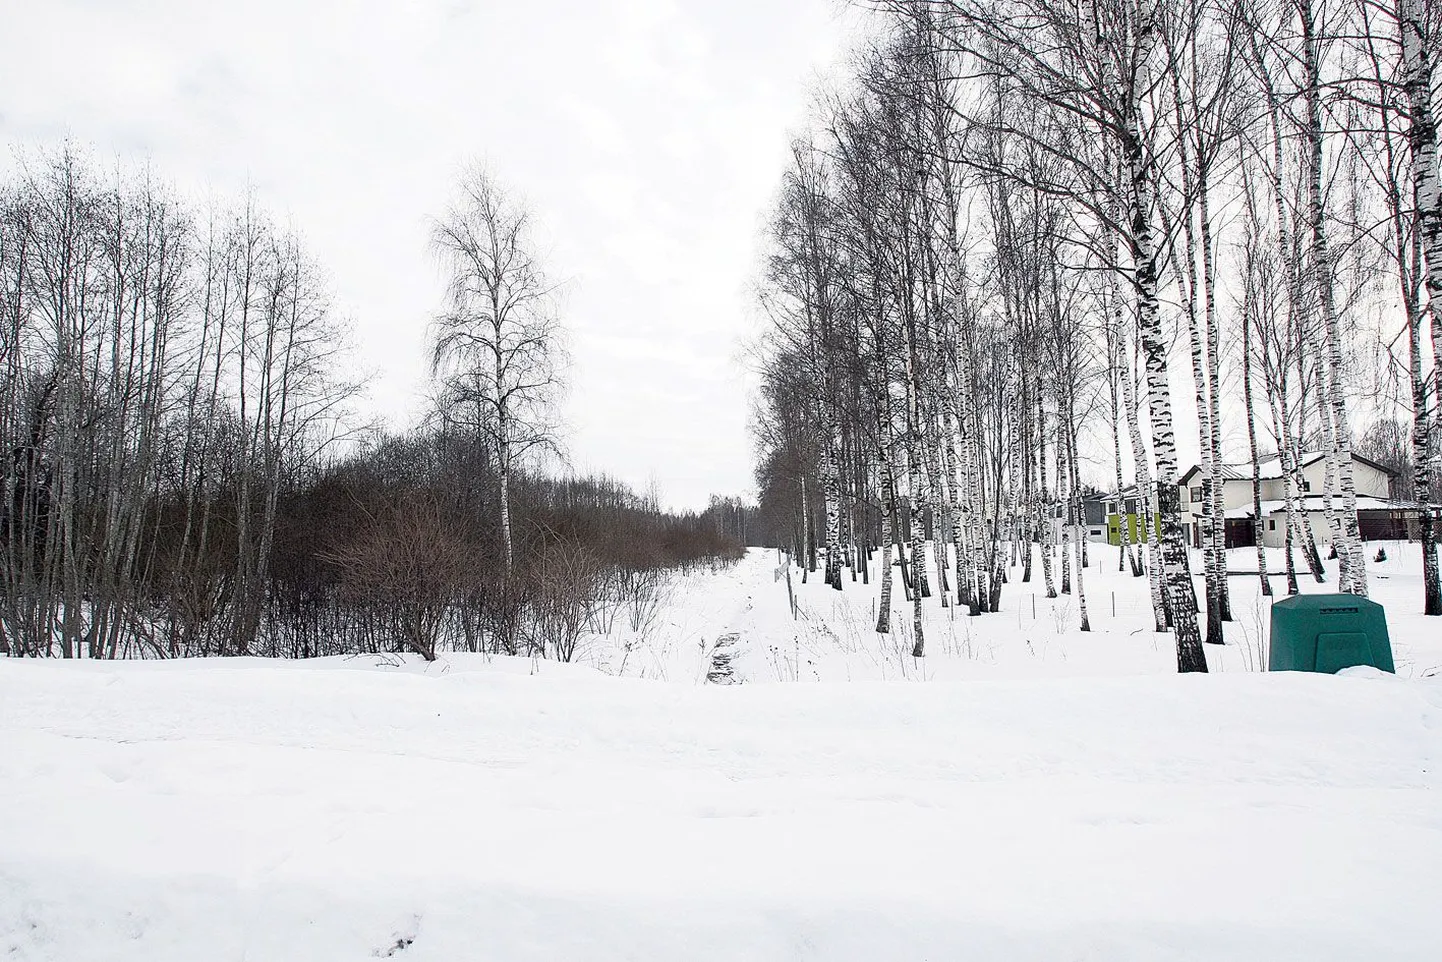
{"type": "Point", "coordinates": [401, 546]}
{"type": "Point", "coordinates": [1005, 219]}
{"type": "Point", "coordinates": [182, 475]}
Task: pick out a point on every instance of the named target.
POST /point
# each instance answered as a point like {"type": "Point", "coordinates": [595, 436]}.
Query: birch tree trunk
{"type": "Point", "coordinates": [1349, 553]}
{"type": "Point", "coordinates": [919, 588]}
{"type": "Point", "coordinates": [508, 547]}
{"type": "Point", "coordinates": [831, 492]}
{"type": "Point", "coordinates": [1258, 525]}
{"type": "Point", "coordinates": [1179, 594]}
{"type": "Point", "coordinates": [1202, 382]}
{"type": "Point", "coordinates": [1143, 513]}
{"type": "Point", "coordinates": [1427, 191]}
{"type": "Point", "coordinates": [1214, 416]}
{"type": "Point", "coordinates": [888, 516]}
{"type": "Point", "coordinates": [1114, 361]}
{"type": "Point", "coordinates": [1079, 536]}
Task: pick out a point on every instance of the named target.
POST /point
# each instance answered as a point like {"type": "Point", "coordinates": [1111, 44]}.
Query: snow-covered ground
{"type": "Point", "coordinates": [832, 637]}
{"type": "Point", "coordinates": [1051, 795]}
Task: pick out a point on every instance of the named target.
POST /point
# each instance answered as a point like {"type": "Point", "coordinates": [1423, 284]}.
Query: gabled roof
{"type": "Point", "coordinates": [1229, 472]}
{"type": "Point", "coordinates": [1373, 464]}
{"type": "Point", "coordinates": [1270, 468]}
{"type": "Point", "coordinates": [1130, 491]}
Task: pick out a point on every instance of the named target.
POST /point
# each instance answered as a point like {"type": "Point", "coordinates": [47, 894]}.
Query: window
{"type": "Point", "coordinates": [1271, 524]}
{"type": "Point", "coordinates": [1131, 505]}
{"type": "Point", "coordinates": [1111, 507]}
{"type": "Point", "coordinates": [1196, 495]}
{"type": "Point", "coordinates": [1306, 485]}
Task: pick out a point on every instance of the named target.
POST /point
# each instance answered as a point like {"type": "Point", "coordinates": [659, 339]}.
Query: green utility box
{"type": "Point", "coordinates": [1327, 633]}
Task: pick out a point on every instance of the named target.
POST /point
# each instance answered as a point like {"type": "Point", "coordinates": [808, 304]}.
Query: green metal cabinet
{"type": "Point", "coordinates": [1327, 633]}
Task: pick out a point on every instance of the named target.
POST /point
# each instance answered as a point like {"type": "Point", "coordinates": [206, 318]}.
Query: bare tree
{"type": "Point", "coordinates": [497, 351]}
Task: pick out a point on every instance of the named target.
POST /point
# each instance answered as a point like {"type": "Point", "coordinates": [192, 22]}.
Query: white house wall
{"type": "Point", "coordinates": [1366, 479]}
{"type": "Point", "coordinates": [1237, 493]}
{"type": "Point", "coordinates": [1276, 538]}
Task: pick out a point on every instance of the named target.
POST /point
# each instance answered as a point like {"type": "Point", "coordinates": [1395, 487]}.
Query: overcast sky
{"type": "Point", "coordinates": [648, 136]}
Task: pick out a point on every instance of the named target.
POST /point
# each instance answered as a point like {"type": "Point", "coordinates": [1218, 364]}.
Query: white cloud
{"type": "Point", "coordinates": [647, 134]}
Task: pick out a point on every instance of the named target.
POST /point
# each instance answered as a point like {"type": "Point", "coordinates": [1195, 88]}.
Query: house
{"type": "Point", "coordinates": [1378, 515]}
{"type": "Point", "coordinates": [1124, 505]}
{"type": "Point", "coordinates": [1093, 521]}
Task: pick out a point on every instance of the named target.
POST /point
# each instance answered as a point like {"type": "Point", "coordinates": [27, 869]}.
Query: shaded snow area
{"type": "Point", "coordinates": [1077, 803]}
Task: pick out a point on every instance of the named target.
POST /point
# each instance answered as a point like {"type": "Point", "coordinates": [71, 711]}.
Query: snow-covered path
{"type": "Point", "coordinates": [350, 809]}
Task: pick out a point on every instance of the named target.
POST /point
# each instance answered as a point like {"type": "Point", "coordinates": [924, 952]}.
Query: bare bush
{"type": "Point", "coordinates": [406, 568]}
{"type": "Point", "coordinates": [646, 595]}
{"type": "Point", "coordinates": [567, 581]}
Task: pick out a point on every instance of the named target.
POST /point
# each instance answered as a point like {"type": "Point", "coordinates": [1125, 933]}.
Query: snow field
{"type": "Point", "coordinates": [257, 811]}
{"type": "Point", "coordinates": [1051, 796]}
{"type": "Point", "coordinates": [833, 637]}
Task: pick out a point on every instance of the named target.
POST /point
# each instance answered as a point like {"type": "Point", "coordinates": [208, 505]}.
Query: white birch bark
{"type": "Point", "coordinates": [888, 511]}
{"type": "Point", "coordinates": [1214, 417]}
{"type": "Point", "coordinates": [1248, 305]}
{"type": "Point", "coordinates": [1349, 550]}
{"type": "Point", "coordinates": [1043, 514]}
{"type": "Point", "coordinates": [1114, 360]}
{"type": "Point", "coordinates": [831, 494]}
{"type": "Point", "coordinates": [1143, 489]}
{"type": "Point", "coordinates": [1427, 191]}
{"type": "Point", "coordinates": [1079, 536]}
{"type": "Point", "coordinates": [1204, 428]}
{"type": "Point", "coordinates": [1179, 594]}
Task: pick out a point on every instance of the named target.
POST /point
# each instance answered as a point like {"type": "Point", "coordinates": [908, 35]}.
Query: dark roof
{"type": "Point", "coordinates": [1229, 472]}
{"type": "Point", "coordinates": [1130, 491]}
{"type": "Point", "coordinates": [1380, 467]}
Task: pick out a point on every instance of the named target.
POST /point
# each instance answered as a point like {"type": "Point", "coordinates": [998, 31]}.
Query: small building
{"type": "Point", "coordinates": [1093, 520]}
{"type": "Point", "coordinates": [1126, 506]}
{"type": "Point", "coordinates": [1095, 516]}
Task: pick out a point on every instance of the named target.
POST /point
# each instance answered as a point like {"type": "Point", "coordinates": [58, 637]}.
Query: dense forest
{"type": "Point", "coordinates": [185, 473]}
{"type": "Point", "coordinates": [1018, 225]}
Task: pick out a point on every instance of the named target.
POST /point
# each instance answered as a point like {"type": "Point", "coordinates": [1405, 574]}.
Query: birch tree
{"type": "Point", "coordinates": [1419, 46]}
{"type": "Point", "coordinates": [497, 344]}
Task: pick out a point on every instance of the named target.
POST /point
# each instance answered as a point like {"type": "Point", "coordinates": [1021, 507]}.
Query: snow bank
{"type": "Point", "coordinates": [475, 809]}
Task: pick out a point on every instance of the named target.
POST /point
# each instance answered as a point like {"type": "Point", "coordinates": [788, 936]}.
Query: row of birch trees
{"type": "Point", "coordinates": [1018, 227]}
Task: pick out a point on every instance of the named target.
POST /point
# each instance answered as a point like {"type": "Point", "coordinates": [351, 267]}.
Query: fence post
{"type": "Point", "coordinates": [790, 593]}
